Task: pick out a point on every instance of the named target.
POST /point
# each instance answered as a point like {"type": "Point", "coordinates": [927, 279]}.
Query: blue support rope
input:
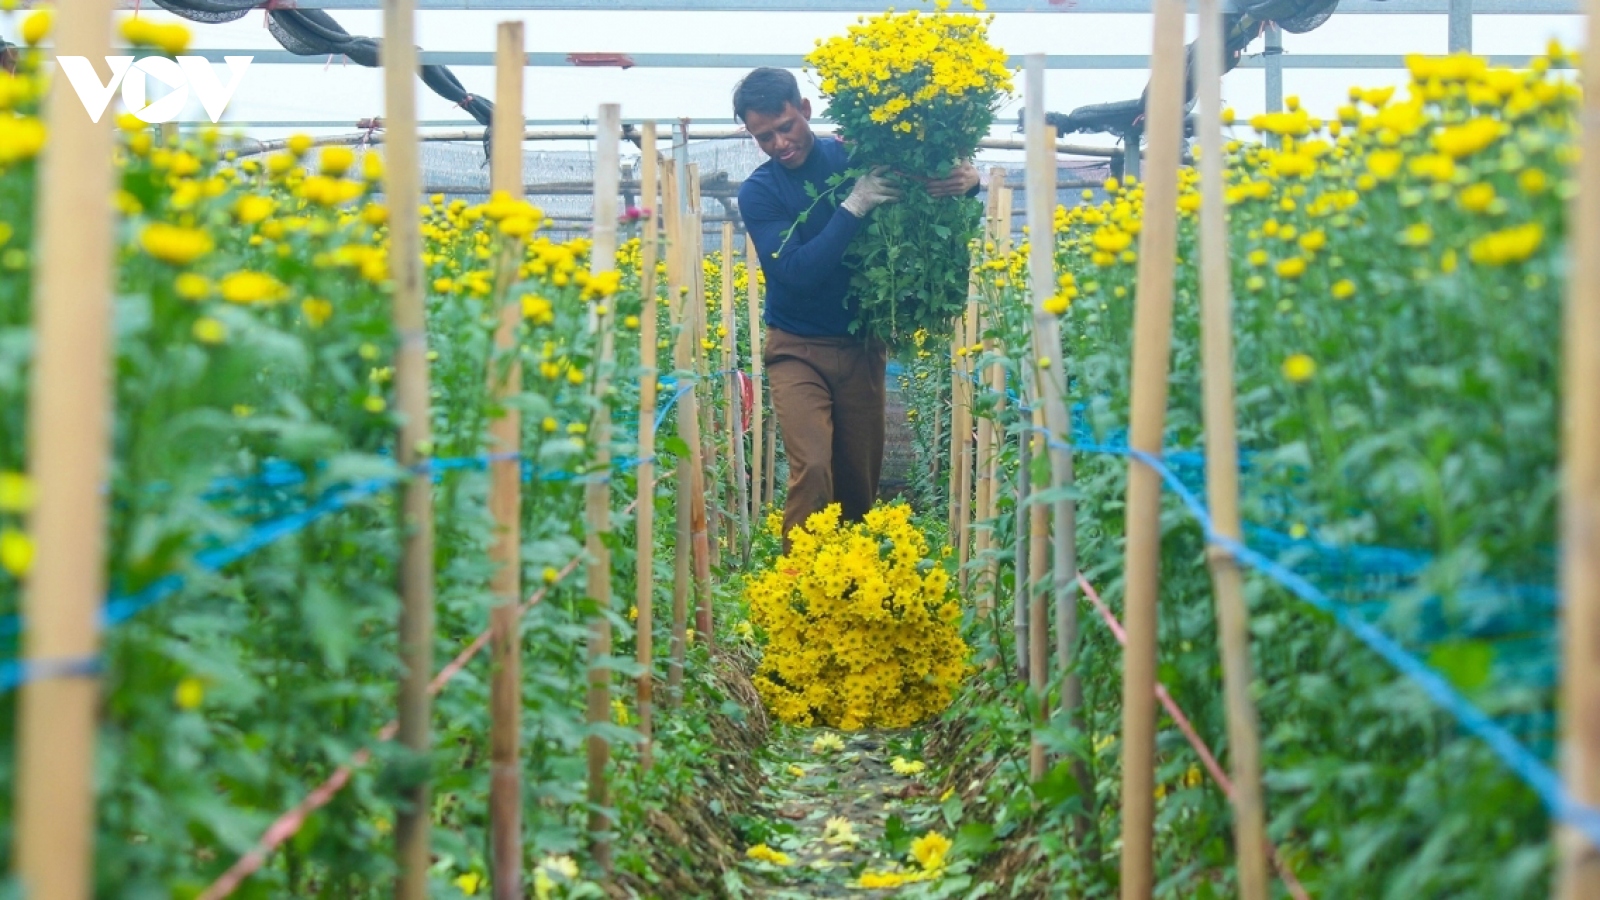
{"type": "Point", "coordinates": [1521, 762]}
{"type": "Point", "coordinates": [14, 673]}
{"type": "Point", "coordinates": [120, 608]}
{"type": "Point", "coordinates": [1518, 759]}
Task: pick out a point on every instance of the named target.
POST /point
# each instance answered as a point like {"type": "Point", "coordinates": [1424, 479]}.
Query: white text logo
{"type": "Point", "coordinates": [180, 75]}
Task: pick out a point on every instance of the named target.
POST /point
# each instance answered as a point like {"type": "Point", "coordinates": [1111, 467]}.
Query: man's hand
{"type": "Point", "coordinates": [961, 179]}
{"type": "Point", "coordinates": [872, 190]}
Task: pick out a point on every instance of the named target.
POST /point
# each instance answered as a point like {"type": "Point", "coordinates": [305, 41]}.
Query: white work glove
{"type": "Point", "coordinates": [872, 190]}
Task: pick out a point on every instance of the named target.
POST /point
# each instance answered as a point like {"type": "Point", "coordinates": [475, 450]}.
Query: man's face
{"type": "Point", "coordinates": [786, 137]}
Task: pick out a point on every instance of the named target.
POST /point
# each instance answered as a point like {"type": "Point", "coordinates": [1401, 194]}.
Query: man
{"type": "Point", "coordinates": [827, 384]}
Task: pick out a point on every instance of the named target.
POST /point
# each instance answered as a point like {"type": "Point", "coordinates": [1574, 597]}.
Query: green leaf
{"type": "Point", "coordinates": [952, 810]}
{"type": "Point", "coordinates": [1059, 786]}
{"type": "Point", "coordinates": [896, 836]}
{"type": "Point", "coordinates": [330, 620]}
{"type": "Point", "coordinates": [973, 839]}
{"type": "Point", "coordinates": [1039, 470]}
{"type": "Point", "coordinates": [1465, 663]}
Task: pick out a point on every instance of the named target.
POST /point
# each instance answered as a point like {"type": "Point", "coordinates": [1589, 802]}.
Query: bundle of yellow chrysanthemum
{"type": "Point", "coordinates": [861, 625]}
{"type": "Point", "coordinates": [916, 92]}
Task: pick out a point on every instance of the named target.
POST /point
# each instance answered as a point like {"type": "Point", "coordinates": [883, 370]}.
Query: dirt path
{"type": "Point", "coordinates": [836, 806]}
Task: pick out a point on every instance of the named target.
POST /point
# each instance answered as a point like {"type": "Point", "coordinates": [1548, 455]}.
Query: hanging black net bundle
{"type": "Point", "coordinates": [1239, 30]}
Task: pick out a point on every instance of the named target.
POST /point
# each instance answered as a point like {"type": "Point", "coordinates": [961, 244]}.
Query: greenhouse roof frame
{"type": "Point", "coordinates": [1044, 7]}
{"type": "Point", "coordinates": [468, 58]}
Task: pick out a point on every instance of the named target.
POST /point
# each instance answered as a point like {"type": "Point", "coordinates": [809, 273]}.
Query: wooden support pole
{"type": "Point", "coordinates": [936, 442]}
{"type": "Point", "coordinates": [1578, 873]}
{"type": "Point", "coordinates": [692, 309]}
{"type": "Point", "coordinates": [1038, 606]}
{"type": "Point", "coordinates": [1050, 409]}
{"type": "Point", "coordinates": [960, 427]}
{"type": "Point", "coordinates": [730, 362]}
{"type": "Point", "coordinates": [997, 385]}
{"type": "Point", "coordinates": [505, 493]}
{"type": "Point", "coordinates": [645, 510]}
{"type": "Point", "coordinates": [404, 194]}
{"type": "Point", "coordinates": [683, 540]}
{"type": "Point", "coordinates": [769, 469]}
{"type": "Point", "coordinates": [597, 493]}
{"type": "Point", "coordinates": [983, 539]}
{"type": "Point", "coordinates": [752, 266]}
{"type": "Point", "coordinates": [969, 456]}
{"type": "Point", "coordinates": [709, 500]}
{"type": "Point", "coordinates": [69, 438]}
{"type": "Point", "coordinates": [1041, 183]}
{"type": "Point", "coordinates": [1019, 599]}
{"type": "Point", "coordinates": [1222, 470]}
{"type": "Point", "coordinates": [1152, 346]}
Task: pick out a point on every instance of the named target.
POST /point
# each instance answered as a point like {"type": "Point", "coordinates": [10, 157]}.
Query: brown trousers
{"type": "Point", "coordinates": [829, 395]}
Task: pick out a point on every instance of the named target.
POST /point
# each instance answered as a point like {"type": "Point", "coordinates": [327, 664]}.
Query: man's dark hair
{"type": "Point", "coordinates": [766, 91]}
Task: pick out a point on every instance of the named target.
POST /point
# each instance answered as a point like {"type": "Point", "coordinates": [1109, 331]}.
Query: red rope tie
{"type": "Point", "coordinates": [1207, 758]}
{"type": "Point", "coordinates": [466, 100]}
{"type": "Point", "coordinates": [289, 824]}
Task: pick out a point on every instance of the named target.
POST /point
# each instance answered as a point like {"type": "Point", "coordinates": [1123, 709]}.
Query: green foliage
{"type": "Point", "coordinates": [1429, 426]}
{"type": "Point", "coordinates": [910, 266]}
{"type": "Point", "coordinates": [228, 702]}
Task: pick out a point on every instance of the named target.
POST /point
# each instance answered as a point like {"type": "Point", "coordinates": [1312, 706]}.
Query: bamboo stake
{"type": "Point", "coordinates": [404, 190]}
{"type": "Point", "coordinates": [710, 499]}
{"type": "Point", "coordinates": [983, 540]}
{"type": "Point", "coordinates": [1049, 415]}
{"type": "Point", "coordinates": [683, 542]}
{"type": "Point", "coordinates": [959, 428]}
{"type": "Point", "coordinates": [645, 510]}
{"type": "Point", "coordinates": [997, 384]}
{"type": "Point", "coordinates": [968, 335]}
{"type": "Point", "coordinates": [752, 265]}
{"type": "Point", "coordinates": [1579, 875]}
{"type": "Point", "coordinates": [937, 441]}
{"type": "Point", "coordinates": [69, 417]}
{"type": "Point", "coordinates": [769, 469]}
{"type": "Point", "coordinates": [1222, 471]}
{"type": "Point", "coordinates": [1002, 219]}
{"type": "Point", "coordinates": [597, 494]}
{"type": "Point", "coordinates": [689, 416]}
{"type": "Point", "coordinates": [730, 362]}
{"type": "Point", "coordinates": [1041, 181]}
{"type": "Point", "coordinates": [505, 495]}
{"type": "Point", "coordinates": [1038, 606]}
{"type": "Point", "coordinates": [1152, 343]}
{"type": "Point", "coordinates": [1019, 600]}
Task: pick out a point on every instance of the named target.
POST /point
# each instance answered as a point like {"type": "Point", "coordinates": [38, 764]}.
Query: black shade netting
{"type": "Point", "coordinates": [312, 32]}
{"type": "Point", "coordinates": [1127, 116]}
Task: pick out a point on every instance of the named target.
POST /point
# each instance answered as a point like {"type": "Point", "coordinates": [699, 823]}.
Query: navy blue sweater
{"type": "Point", "coordinates": [808, 286]}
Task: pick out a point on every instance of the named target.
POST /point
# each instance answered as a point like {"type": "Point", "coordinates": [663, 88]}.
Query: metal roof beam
{"type": "Point", "coordinates": [468, 58]}
{"type": "Point", "coordinates": [1484, 7]}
